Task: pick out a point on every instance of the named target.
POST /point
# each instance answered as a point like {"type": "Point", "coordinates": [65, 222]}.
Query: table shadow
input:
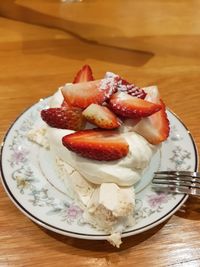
{"type": "Point", "coordinates": [190, 210]}
{"type": "Point", "coordinates": [93, 41]}
{"type": "Point", "coordinates": [103, 245]}
{"type": "Point", "coordinates": [82, 51]}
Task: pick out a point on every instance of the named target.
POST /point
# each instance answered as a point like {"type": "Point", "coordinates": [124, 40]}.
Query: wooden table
{"type": "Point", "coordinates": [149, 42]}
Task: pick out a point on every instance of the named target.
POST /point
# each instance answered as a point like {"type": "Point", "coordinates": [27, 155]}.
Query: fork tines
{"type": "Point", "coordinates": [179, 173]}
{"type": "Point", "coordinates": [177, 181]}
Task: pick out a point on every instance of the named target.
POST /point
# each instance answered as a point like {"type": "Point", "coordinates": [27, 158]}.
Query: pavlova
{"type": "Point", "coordinates": [103, 134]}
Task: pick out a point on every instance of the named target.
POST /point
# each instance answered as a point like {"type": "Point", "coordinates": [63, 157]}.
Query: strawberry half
{"type": "Point", "coordinates": [125, 86]}
{"type": "Point", "coordinates": [65, 105]}
{"type": "Point", "coordinates": [83, 94]}
{"type": "Point", "coordinates": [132, 107]}
{"type": "Point", "coordinates": [64, 118]}
{"type": "Point", "coordinates": [97, 144]}
{"type": "Point", "coordinates": [154, 128]}
{"type": "Point", "coordinates": [101, 116]}
{"type": "Point", "coordinates": [84, 75]}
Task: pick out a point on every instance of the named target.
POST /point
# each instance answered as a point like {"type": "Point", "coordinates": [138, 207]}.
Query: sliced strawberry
{"type": "Point", "coordinates": [132, 107]}
{"type": "Point", "coordinates": [65, 104]}
{"type": "Point", "coordinates": [97, 144]}
{"type": "Point", "coordinates": [83, 94]}
{"type": "Point", "coordinates": [130, 88]}
{"type": "Point", "coordinates": [126, 87]}
{"type": "Point", "coordinates": [84, 75]}
{"type": "Point", "coordinates": [64, 118]}
{"type": "Point", "coordinates": [101, 116]}
{"type": "Point", "coordinates": [154, 128]}
{"type": "Point", "coordinates": [152, 94]}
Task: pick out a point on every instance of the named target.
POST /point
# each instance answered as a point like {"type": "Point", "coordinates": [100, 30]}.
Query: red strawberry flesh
{"type": "Point", "coordinates": [125, 86]}
{"type": "Point", "coordinates": [85, 93]}
{"type": "Point", "coordinates": [101, 116]}
{"type": "Point", "coordinates": [96, 144]}
{"type": "Point", "coordinates": [162, 122]}
{"type": "Point", "coordinates": [84, 75]}
{"type": "Point", "coordinates": [132, 107]}
{"type": "Point", "coordinates": [154, 128]}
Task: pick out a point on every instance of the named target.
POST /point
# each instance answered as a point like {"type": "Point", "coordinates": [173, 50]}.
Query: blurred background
{"type": "Point", "coordinates": [148, 41]}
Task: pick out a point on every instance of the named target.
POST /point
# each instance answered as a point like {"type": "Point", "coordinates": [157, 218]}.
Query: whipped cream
{"type": "Point", "coordinates": [124, 172]}
{"type": "Point", "coordinates": [104, 189]}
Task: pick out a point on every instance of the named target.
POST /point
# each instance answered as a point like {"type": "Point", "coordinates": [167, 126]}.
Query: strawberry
{"type": "Point", "coordinates": [64, 118]}
{"type": "Point", "coordinates": [65, 104]}
{"type": "Point", "coordinates": [154, 128]}
{"type": "Point", "coordinates": [101, 116]}
{"type": "Point", "coordinates": [97, 144]}
{"type": "Point", "coordinates": [84, 75]}
{"type": "Point", "coordinates": [83, 94]}
{"type": "Point", "coordinates": [126, 87]}
{"type": "Point", "coordinates": [132, 107]}
{"type": "Point", "coordinates": [152, 94]}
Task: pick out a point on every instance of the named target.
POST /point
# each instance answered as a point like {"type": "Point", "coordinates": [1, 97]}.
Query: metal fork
{"type": "Point", "coordinates": [184, 182]}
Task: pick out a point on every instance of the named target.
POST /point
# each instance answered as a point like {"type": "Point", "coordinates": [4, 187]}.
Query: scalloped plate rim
{"type": "Point", "coordinates": [91, 236]}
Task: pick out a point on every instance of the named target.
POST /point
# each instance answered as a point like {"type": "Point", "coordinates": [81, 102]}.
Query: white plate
{"type": "Point", "coordinates": [30, 181]}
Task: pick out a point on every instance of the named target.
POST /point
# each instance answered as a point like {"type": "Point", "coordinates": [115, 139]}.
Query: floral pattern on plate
{"type": "Point", "coordinates": [43, 203]}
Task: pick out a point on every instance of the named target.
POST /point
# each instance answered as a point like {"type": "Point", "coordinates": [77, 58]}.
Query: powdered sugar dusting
{"type": "Point", "coordinates": [109, 83]}
{"type": "Point", "coordinates": [116, 83]}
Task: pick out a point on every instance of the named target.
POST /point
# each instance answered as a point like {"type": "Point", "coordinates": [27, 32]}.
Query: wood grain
{"type": "Point", "coordinates": [35, 60]}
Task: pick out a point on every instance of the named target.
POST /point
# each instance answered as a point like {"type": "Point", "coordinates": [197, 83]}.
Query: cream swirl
{"type": "Point", "coordinates": [124, 172]}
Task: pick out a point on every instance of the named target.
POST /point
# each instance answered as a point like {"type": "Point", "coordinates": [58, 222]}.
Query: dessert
{"type": "Point", "coordinates": [103, 134]}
